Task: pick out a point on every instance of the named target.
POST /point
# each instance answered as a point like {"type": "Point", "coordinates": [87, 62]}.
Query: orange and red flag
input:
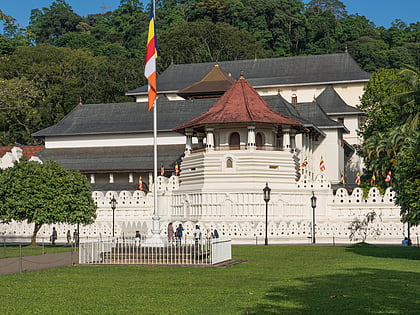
{"type": "Point", "coordinates": [151, 55]}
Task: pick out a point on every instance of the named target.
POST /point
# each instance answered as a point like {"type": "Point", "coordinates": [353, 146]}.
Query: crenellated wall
{"type": "Point", "coordinates": [239, 215]}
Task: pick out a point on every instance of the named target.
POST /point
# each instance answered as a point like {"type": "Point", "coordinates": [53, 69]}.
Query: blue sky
{"type": "Point", "coordinates": [381, 12]}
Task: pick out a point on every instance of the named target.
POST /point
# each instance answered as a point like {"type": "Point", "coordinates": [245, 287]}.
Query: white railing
{"type": "Point", "coordinates": [130, 252]}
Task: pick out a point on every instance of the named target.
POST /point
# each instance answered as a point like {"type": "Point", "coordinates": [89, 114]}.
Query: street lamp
{"type": "Point", "coordinates": [266, 191]}
{"type": "Point", "coordinates": [313, 205]}
{"type": "Point", "coordinates": [113, 203]}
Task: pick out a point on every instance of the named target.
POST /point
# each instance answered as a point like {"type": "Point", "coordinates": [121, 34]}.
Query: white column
{"type": "Point", "coordinates": [251, 138]}
{"type": "Point", "coordinates": [92, 178]}
{"type": "Point", "coordinates": [111, 178]}
{"type": "Point", "coordinates": [210, 139]}
{"type": "Point", "coordinates": [130, 177]}
{"type": "Point", "coordinates": [286, 138]}
{"type": "Point", "coordinates": [188, 144]}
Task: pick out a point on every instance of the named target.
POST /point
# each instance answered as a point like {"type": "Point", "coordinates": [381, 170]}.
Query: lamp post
{"type": "Point", "coordinates": [113, 203]}
{"type": "Point", "coordinates": [266, 191]}
{"type": "Point", "coordinates": [313, 205]}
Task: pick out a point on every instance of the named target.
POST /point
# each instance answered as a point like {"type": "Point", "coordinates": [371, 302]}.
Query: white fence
{"type": "Point", "coordinates": [126, 252]}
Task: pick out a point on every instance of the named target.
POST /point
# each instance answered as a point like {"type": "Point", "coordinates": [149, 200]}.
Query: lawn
{"type": "Point", "coordinates": [274, 280]}
{"type": "Point", "coordinates": [7, 251]}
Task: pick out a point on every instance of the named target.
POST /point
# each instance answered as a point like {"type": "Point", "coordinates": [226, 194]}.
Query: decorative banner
{"type": "Point", "coordinates": [343, 181]}
{"type": "Point", "coordinates": [372, 180]}
{"type": "Point", "coordinates": [176, 169]}
{"type": "Point", "coordinates": [151, 55]}
{"type": "Point", "coordinates": [322, 165]}
{"type": "Point", "coordinates": [357, 180]}
{"type": "Point", "coordinates": [140, 184]}
{"type": "Point", "coordinates": [388, 177]}
{"type": "Point", "coordinates": [305, 162]}
{"type": "Point", "coordinates": [162, 170]}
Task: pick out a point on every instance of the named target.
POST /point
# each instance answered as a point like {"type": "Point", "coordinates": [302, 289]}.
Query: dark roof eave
{"type": "Point", "coordinates": [346, 113]}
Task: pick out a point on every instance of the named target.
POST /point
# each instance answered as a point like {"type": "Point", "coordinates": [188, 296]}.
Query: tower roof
{"type": "Point", "coordinates": [214, 83]}
{"type": "Point", "coordinates": [240, 104]}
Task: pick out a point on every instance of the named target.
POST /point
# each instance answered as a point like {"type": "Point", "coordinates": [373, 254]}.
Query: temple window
{"type": "Point", "coordinates": [234, 141]}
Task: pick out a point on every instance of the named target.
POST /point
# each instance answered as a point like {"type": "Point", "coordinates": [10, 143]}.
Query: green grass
{"type": "Point", "coordinates": [7, 251]}
{"type": "Point", "coordinates": [362, 279]}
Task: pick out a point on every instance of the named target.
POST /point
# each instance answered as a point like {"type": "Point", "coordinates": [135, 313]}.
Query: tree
{"type": "Point", "coordinates": [361, 229]}
{"type": "Point", "coordinates": [337, 7]}
{"type": "Point", "coordinates": [44, 194]}
{"type": "Point", "coordinates": [48, 24]}
{"type": "Point", "coordinates": [391, 134]}
{"type": "Point", "coordinates": [205, 42]}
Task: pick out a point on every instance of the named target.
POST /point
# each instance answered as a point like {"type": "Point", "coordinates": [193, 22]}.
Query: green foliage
{"type": "Point", "coordinates": [44, 194]}
{"type": "Point", "coordinates": [60, 78]}
{"type": "Point", "coordinates": [205, 41]}
{"type": "Point", "coordinates": [391, 134]}
{"type": "Point", "coordinates": [48, 24]}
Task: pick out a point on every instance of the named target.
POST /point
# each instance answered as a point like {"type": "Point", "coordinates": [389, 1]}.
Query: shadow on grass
{"type": "Point", "coordinates": [404, 252]}
{"type": "Point", "coordinates": [358, 291]}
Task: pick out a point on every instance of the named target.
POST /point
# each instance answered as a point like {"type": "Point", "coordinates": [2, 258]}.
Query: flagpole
{"type": "Point", "coordinates": [155, 240]}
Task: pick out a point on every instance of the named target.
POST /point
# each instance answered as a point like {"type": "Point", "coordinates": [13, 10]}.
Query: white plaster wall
{"type": "Point", "coordinates": [112, 140]}
{"type": "Point", "coordinates": [239, 215]}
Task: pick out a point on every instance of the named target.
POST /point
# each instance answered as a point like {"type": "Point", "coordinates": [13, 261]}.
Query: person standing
{"type": "Point", "coordinates": [68, 236]}
{"type": "Point", "coordinates": [76, 237]}
{"type": "Point", "coordinates": [178, 234]}
{"type": "Point", "coordinates": [170, 233]}
{"type": "Point", "coordinates": [53, 236]}
{"type": "Point", "coordinates": [197, 234]}
{"type": "Point", "coordinates": [137, 238]}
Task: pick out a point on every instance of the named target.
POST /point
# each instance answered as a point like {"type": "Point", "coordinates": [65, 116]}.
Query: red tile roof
{"type": "Point", "coordinates": [240, 104]}
{"type": "Point", "coordinates": [28, 150]}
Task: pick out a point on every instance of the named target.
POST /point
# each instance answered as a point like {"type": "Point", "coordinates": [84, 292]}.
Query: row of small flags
{"type": "Point", "coordinates": [162, 173]}
{"type": "Point", "coordinates": [322, 168]}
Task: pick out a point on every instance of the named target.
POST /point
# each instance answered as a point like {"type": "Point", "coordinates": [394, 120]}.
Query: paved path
{"type": "Point", "coordinates": [37, 262]}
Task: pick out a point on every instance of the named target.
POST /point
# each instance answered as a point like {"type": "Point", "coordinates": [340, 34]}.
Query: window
{"type": "Point", "coordinates": [340, 120]}
{"type": "Point", "coordinates": [259, 140]}
{"type": "Point", "coordinates": [229, 163]}
{"type": "Point", "coordinates": [234, 141]}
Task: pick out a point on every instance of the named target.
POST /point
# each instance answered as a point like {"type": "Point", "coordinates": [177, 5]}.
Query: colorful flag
{"type": "Point", "coordinates": [140, 184]}
{"type": "Point", "coordinates": [151, 55]}
{"type": "Point", "coordinates": [162, 170]}
{"type": "Point", "coordinates": [322, 164]}
{"type": "Point", "coordinates": [305, 162]}
{"type": "Point", "coordinates": [176, 169]}
{"type": "Point", "coordinates": [357, 180]}
{"type": "Point", "coordinates": [388, 177]}
{"type": "Point", "coordinates": [343, 181]}
{"type": "Point", "coordinates": [372, 180]}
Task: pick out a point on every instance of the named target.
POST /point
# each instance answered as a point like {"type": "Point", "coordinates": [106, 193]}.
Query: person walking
{"type": "Point", "coordinates": [53, 236]}
{"type": "Point", "coordinates": [178, 235]}
{"type": "Point", "coordinates": [171, 233]}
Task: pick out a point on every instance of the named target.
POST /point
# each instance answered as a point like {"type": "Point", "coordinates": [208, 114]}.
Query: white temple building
{"type": "Point", "coordinates": [230, 127]}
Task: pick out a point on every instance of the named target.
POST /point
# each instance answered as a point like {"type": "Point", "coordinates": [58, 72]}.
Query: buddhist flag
{"type": "Point", "coordinates": [372, 180]}
{"type": "Point", "coordinates": [388, 177]}
{"type": "Point", "coordinates": [162, 169]}
{"type": "Point", "coordinates": [140, 184]}
{"type": "Point", "coordinates": [322, 164]}
{"type": "Point", "coordinates": [176, 169]}
{"type": "Point", "coordinates": [343, 181]}
{"type": "Point", "coordinates": [305, 162]}
{"type": "Point", "coordinates": [357, 180]}
{"type": "Point", "coordinates": [151, 55]}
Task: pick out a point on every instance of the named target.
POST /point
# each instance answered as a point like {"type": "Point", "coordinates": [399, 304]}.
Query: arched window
{"type": "Point", "coordinates": [229, 163]}
{"type": "Point", "coordinates": [234, 141]}
{"type": "Point", "coordinates": [259, 140]}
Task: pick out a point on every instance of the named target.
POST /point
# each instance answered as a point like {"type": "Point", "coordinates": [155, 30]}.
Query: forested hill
{"type": "Point", "coordinates": [62, 59]}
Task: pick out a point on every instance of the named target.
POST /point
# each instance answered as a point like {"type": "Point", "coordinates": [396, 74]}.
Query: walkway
{"type": "Point", "coordinates": [37, 262]}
